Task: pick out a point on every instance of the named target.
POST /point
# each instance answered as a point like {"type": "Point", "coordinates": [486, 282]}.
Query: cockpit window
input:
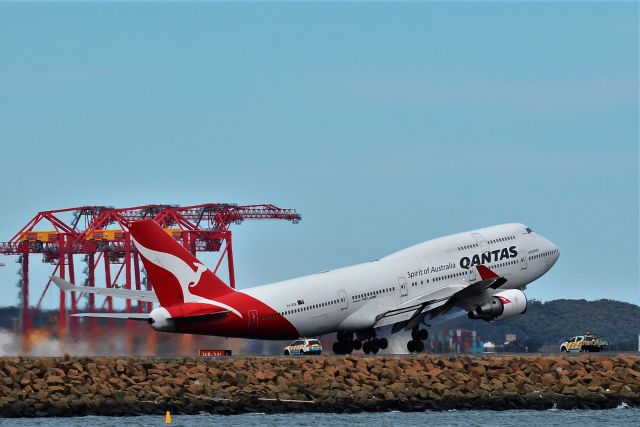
{"type": "Point", "coordinates": [529, 230]}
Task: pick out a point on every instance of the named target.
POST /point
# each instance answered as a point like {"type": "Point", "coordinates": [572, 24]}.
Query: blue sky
{"type": "Point", "coordinates": [385, 125]}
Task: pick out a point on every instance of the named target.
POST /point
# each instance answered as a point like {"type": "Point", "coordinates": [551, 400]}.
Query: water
{"type": "Point", "coordinates": [621, 416]}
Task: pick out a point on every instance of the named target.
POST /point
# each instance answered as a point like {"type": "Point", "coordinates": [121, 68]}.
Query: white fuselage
{"type": "Point", "coordinates": [350, 298]}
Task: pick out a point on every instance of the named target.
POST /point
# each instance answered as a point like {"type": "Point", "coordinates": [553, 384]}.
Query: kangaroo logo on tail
{"type": "Point", "coordinates": [182, 270]}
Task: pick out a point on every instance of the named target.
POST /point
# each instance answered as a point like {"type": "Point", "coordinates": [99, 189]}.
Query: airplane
{"type": "Point", "coordinates": [482, 272]}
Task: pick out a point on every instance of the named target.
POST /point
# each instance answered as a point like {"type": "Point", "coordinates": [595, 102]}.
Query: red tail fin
{"type": "Point", "coordinates": [175, 274]}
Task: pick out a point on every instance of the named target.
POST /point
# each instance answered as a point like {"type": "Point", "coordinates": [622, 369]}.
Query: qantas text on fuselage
{"type": "Point", "coordinates": [482, 271]}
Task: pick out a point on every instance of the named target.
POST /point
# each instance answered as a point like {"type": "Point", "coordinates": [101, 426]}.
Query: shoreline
{"type": "Point", "coordinates": [78, 386]}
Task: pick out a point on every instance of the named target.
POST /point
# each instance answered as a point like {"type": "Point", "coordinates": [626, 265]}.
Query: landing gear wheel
{"type": "Point", "coordinates": [419, 345]}
{"type": "Point", "coordinates": [366, 347]}
{"type": "Point", "coordinates": [374, 347]}
{"type": "Point", "coordinates": [337, 348]}
{"type": "Point", "coordinates": [411, 346]}
{"type": "Point", "coordinates": [348, 347]}
{"type": "Point", "coordinates": [383, 343]}
{"type": "Point", "coordinates": [419, 334]}
{"type": "Point", "coordinates": [357, 344]}
{"type": "Point", "coordinates": [345, 343]}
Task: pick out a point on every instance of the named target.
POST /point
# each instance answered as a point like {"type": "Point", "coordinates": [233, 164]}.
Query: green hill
{"type": "Point", "coordinates": [552, 322]}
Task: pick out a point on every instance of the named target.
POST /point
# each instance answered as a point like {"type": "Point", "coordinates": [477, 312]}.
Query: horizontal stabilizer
{"type": "Point", "coordinates": [127, 316]}
{"type": "Point", "coordinates": [131, 294]}
{"type": "Point", "coordinates": [145, 316]}
{"type": "Point", "coordinates": [61, 283]}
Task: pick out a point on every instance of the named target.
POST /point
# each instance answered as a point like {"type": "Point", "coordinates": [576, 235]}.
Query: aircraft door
{"type": "Point", "coordinates": [404, 288]}
{"type": "Point", "coordinates": [342, 300]}
{"type": "Point", "coordinates": [253, 319]}
{"type": "Point", "coordinates": [481, 241]}
{"type": "Point", "coordinates": [523, 261]}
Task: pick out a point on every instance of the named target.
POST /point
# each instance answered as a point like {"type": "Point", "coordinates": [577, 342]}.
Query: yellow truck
{"type": "Point", "coordinates": [584, 343]}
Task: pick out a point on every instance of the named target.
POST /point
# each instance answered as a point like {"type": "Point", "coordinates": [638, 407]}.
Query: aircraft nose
{"type": "Point", "coordinates": [555, 252]}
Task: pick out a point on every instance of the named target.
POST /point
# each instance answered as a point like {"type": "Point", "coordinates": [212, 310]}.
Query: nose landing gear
{"type": "Point", "coordinates": [416, 344]}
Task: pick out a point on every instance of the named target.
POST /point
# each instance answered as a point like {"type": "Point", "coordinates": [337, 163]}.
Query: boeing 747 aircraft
{"type": "Point", "coordinates": [482, 272]}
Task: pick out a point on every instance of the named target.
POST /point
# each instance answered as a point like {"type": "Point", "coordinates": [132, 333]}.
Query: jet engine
{"type": "Point", "coordinates": [502, 305]}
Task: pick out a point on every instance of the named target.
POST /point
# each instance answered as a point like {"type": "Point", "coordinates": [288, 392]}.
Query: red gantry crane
{"type": "Point", "coordinates": [100, 233]}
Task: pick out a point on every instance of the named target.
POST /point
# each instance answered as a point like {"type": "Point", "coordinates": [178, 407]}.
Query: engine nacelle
{"type": "Point", "coordinates": [161, 320]}
{"type": "Point", "coordinates": [503, 304]}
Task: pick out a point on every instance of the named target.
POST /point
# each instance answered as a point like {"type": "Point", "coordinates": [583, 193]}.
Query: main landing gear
{"type": "Point", "coordinates": [374, 345]}
{"type": "Point", "coordinates": [345, 343]}
{"type": "Point", "coordinates": [366, 341]}
{"type": "Point", "coordinates": [416, 344]}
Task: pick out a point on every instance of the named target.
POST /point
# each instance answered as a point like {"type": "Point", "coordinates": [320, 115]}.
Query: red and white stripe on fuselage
{"type": "Point", "coordinates": [258, 320]}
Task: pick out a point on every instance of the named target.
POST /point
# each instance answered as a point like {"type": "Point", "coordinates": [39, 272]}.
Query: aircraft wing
{"type": "Point", "coordinates": [422, 303]}
{"type": "Point", "coordinates": [409, 314]}
{"type": "Point", "coordinates": [131, 294]}
{"type": "Point", "coordinates": [488, 280]}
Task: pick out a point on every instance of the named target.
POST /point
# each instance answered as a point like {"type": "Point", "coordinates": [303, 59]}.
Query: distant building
{"type": "Point", "coordinates": [454, 341]}
{"type": "Point", "coordinates": [510, 338]}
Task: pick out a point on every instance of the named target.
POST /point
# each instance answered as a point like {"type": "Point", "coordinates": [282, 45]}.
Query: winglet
{"type": "Point", "coordinates": [485, 272]}
{"type": "Point", "coordinates": [61, 283]}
